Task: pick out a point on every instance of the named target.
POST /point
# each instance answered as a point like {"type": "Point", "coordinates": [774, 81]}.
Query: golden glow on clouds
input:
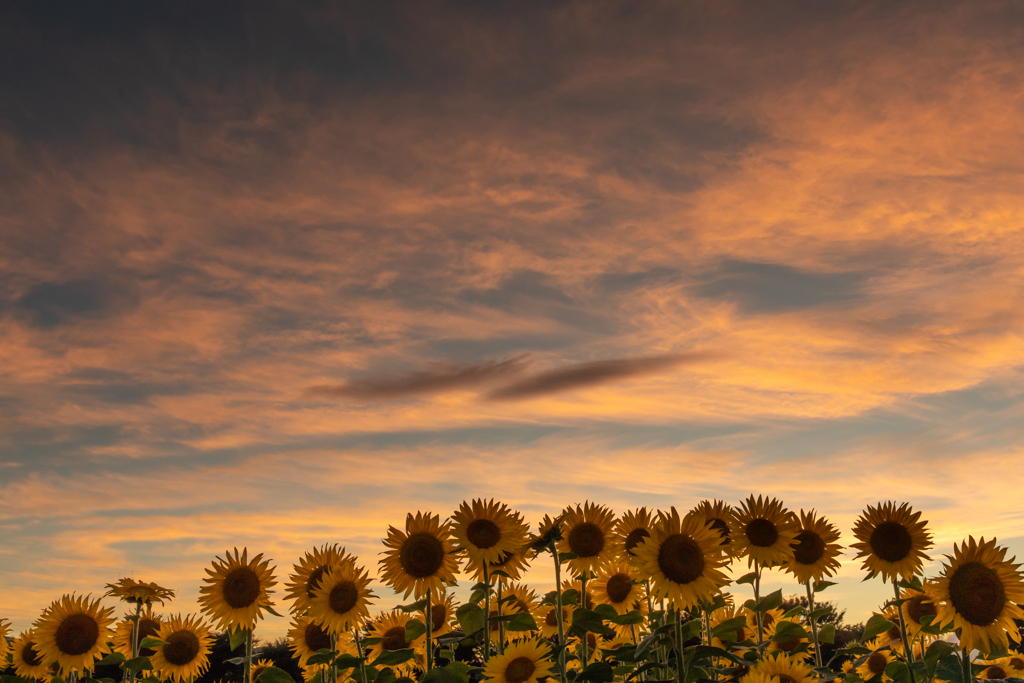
{"type": "Point", "coordinates": [834, 214]}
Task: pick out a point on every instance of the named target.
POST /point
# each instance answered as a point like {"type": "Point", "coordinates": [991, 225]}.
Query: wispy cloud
{"type": "Point", "coordinates": [592, 373]}
{"type": "Point", "coordinates": [441, 377]}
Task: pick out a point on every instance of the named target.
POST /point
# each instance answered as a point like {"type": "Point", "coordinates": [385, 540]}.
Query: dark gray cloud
{"type": "Point", "coordinates": [775, 288]}
{"type": "Point", "coordinates": [49, 304]}
{"type": "Point", "coordinates": [593, 373]}
{"type": "Point", "coordinates": [441, 377]}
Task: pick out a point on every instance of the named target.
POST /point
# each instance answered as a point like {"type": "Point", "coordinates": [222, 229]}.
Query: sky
{"type": "Point", "coordinates": [274, 274]}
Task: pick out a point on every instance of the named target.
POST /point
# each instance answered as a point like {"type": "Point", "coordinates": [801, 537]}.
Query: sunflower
{"type": "Point", "coordinates": [487, 530]}
{"type": "Point", "coordinates": [594, 643]}
{"type": "Point", "coordinates": [633, 527]}
{"type": "Point", "coordinates": [587, 533]}
{"type": "Point", "coordinates": [916, 606]}
{"type": "Point", "coordinates": [139, 592]}
{"type": "Point", "coordinates": [847, 667]}
{"type": "Point", "coordinates": [186, 653]}
{"type": "Point", "coordinates": [978, 592]}
{"type": "Point", "coordinates": [767, 618]}
{"type": "Point", "coordinates": [512, 563]}
{"type": "Point", "coordinates": [892, 540]}
{"type": "Point", "coordinates": [390, 628]}
{"type": "Point", "coordinates": [546, 617]}
{"type": "Point", "coordinates": [893, 637]}
{"type": "Point", "coordinates": [718, 513]}
{"type": "Point", "coordinates": [237, 590]}
{"type": "Point", "coordinates": [763, 530]}
{"type": "Point", "coordinates": [874, 664]}
{"type": "Point", "coordinates": [73, 631]}
{"type": "Point", "coordinates": [29, 661]}
{"type": "Point", "coordinates": [442, 611]}
{"type": "Point", "coordinates": [785, 668]}
{"type": "Point", "coordinates": [5, 647]}
{"type": "Point", "coordinates": [1016, 664]}
{"type": "Point", "coordinates": [815, 549]}
{"type": "Point", "coordinates": [309, 571]}
{"type": "Point", "coordinates": [997, 669]}
{"type": "Point", "coordinates": [257, 668]}
{"type": "Point", "coordinates": [681, 560]}
{"type": "Point", "coordinates": [420, 559]}
{"type": "Point", "coordinates": [789, 647]}
{"type": "Point", "coordinates": [587, 601]}
{"type": "Point", "coordinates": [341, 600]}
{"type": "Point", "coordinates": [525, 661]}
{"type": "Point", "coordinates": [306, 637]}
{"type": "Point", "coordinates": [617, 585]}
{"type": "Point", "coordinates": [722, 615]}
{"type": "Point", "coordinates": [149, 623]}
{"type": "Point", "coordinates": [510, 607]}
{"type": "Point", "coordinates": [548, 531]}
{"type": "Point", "coordinates": [525, 599]}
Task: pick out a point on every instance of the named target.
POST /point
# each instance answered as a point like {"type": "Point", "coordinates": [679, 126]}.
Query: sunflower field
{"type": "Point", "coordinates": [638, 598]}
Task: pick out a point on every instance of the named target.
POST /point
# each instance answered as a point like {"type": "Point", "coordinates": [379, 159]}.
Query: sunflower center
{"type": "Point", "coordinates": [519, 670]}
{"type": "Point", "coordinates": [505, 557]}
{"type": "Point", "coordinates": [788, 645]}
{"type": "Point", "coordinates": [551, 618]}
{"type": "Point", "coordinates": [741, 634]}
{"type": "Point", "coordinates": [147, 629]}
{"type": "Point", "coordinates": [809, 547]}
{"type": "Point", "coordinates": [1017, 663]}
{"type": "Point", "coordinates": [343, 597]}
{"type": "Point", "coordinates": [394, 638]}
{"type": "Point", "coordinates": [876, 663]}
{"type": "Point", "coordinates": [995, 672]}
{"type": "Point", "coordinates": [891, 541]}
{"type": "Point", "coordinates": [591, 641]}
{"type": "Point", "coordinates": [619, 588]}
{"type": "Point", "coordinates": [762, 532]}
{"type": "Point", "coordinates": [483, 533]}
{"type": "Point", "coordinates": [522, 606]}
{"type": "Point", "coordinates": [422, 555]}
{"type": "Point", "coordinates": [977, 593]}
{"type": "Point", "coordinates": [894, 632]}
{"type": "Point", "coordinates": [181, 648]}
{"type": "Point", "coordinates": [438, 616]}
{"type": "Point", "coordinates": [316, 638]}
{"type": "Point", "coordinates": [586, 539]}
{"type": "Point", "coordinates": [722, 528]}
{"type": "Point", "coordinates": [783, 678]}
{"type": "Point", "coordinates": [241, 587]}
{"type": "Point", "coordinates": [634, 538]}
{"type": "Point", "coordinates": [77, 634]}
{"type": "Point", "coordinates": [680, 559]}
{"type": "Point", "coordinates": [313, 582]}
{"type": "Point", "coordinates": [919, 607]}
{"type": "Point", "coordinates": [29, 654]}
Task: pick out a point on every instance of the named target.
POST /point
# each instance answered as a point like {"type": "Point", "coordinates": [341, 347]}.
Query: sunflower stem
{"type": "Point", "coordinates": [558, 613]}
{"type": "Point", "coordinates": [814, 623]}
{"type": "Point", "coordinates": [584, 649]}
{"type": "Point", "coordinates": [487, 616]}
{"type": "Point", "coordinates": [334, 649]}
{"type": "Point", "coordinates": [757, 598]}
{"type": "Point", "coordinates": [908, 652]}
{"type": "Point", "coordinates": [968, 672]}
{"type": "Point", "coordinates": [359, 651]}
{"type": "Point", "coordinates": [501, 624]}
{"type": "Point", "coordinates": [430, 624]}
{"type": "Point", "coordinates": [248, 656]}
{"type": "Point", "coordinates": [707, 633]}
{"type": "Point", "coordinates": [135, 635]}
{"type": "Point", "coordinates": [680, 675]}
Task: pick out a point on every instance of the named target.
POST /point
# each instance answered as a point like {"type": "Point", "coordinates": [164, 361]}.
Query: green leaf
{"type": "Point", "coordinates": [598, 672]}
{"type": "Point", "coordinates": [649, 639]}
{"type": "Point", "coordinates": [417, 606]}
{"type": "Point", "coordinates": [570, 597]}
{"type": "Point", "coordinates": [633, 617]}
{"type": "Point", "coordinates": [112, 658]}
{"type": "Point", "coordinates": [138, 664]}
{"type": "Point", "coordinates": [386, 675]}
{"type": "Point", "coordinates": [394, 657]}
{"type": "Point", "coordinates": [704, 652]}
{"type": "Point", "coordinates": [769, 602]}
{"type": "Point", "coordinates": [730, 626]}
{"type": "Point", "coordinates": [588, 621]}
{"type": "Point", "coordinates": [471, 619]}
{"type": "Point", "coordinates": [152, 643]}
{"type": "Point", "coordinates": [606, 611]}
{"type": "Point", "coordinates": [477, 595]}
{"type": "Point", "coordinates": [827, 634]}
{"type": "Point", "coordinates": [747, 578]}
{"type": "Point", "coordinates": [235, 638]}
{"type": "Point", "coordinates": [787, 631]}
{"type": "Point", "coordinates": [795, 612]}
{"type": "Point", "coordinates": [499, 572]}
{"type": "Point", "coordinates": [345, 661]}
{"type": "Point", "coordinates": [691, 629]}
{"type": "Point", "coordinates": [414, 628]}
{"type": "Point", "coordinates": [318, 678]}
{"type": "Point", "coordinates": [898, 672]}
{"type": "Point", "coordinates": [274, 675]}
{"type": "Point", "coordinates": [820, 586]}
{"type": "Point", "coordinates": [819, 613]}
{"type": "Point", "coordinates": [323, 656]}
{"type": "Point", "coordinates": [235, 661]}
{"type": "Point", "coordinates": [274, 612]}
{"type": "Point", "coordinates": [521, 622]}
{"type": "Point", "coordinates": [876, 624]}
{"type": "Point", "coordinates": [936, 652]}
{"type": "Point", "coordinates": [565, 557]}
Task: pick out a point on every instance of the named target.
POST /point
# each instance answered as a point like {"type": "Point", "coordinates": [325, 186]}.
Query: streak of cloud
{"type": "Point", "coordinates": [441, 377]}
{"type": "Point", "coordinates": [592, 373]}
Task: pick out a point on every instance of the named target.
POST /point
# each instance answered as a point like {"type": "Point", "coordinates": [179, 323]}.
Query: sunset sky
{"type": "Point", "coordinates": [274, 275]}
